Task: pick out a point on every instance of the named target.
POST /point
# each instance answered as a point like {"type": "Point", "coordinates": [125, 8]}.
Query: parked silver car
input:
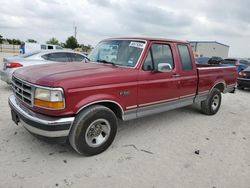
{"type": "Point", "coordinates": [11, 64]}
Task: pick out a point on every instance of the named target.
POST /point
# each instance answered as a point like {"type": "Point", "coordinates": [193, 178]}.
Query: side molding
{"type": "Point", "coordinates": [100, 101]}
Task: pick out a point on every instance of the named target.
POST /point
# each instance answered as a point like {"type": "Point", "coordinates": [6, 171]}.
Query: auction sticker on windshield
{"type": "Point", "coordinates": [137, 44]}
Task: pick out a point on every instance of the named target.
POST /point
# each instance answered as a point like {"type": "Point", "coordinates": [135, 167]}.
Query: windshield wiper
{"type": "Point", "coordinates": [107, 62]}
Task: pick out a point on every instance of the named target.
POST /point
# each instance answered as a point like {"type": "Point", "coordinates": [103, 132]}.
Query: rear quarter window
{"type": "Point", "coordinates": [185, 57]}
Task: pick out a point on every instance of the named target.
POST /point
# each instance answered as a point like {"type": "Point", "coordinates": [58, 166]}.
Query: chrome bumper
{"type": "Point", "coordinates": [39, 124]}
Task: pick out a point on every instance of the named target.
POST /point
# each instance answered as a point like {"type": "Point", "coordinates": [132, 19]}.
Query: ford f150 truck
{"type": "Point", "coordinates": [124, 78]}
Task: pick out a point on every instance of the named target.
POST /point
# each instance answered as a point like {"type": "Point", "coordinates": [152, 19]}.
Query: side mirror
{"type": "Point", "coordinates": [164, 67]}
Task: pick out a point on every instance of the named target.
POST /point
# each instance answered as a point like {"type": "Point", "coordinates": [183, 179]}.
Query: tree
{"type": "Point", "coordinates": [10, 41]}
{"type": "Point", "coordinates": [16, 41]}
{"type": "Point", "coordinates": [62, 44]}
{"type": "Point", "coordinates": [86, 48]}
{"type": "Point", "coordinates": [31, 41]}
{"type": "Point", "coordinates": [53, 41]}
{"type": "Point", "coordinates": [71, 42]}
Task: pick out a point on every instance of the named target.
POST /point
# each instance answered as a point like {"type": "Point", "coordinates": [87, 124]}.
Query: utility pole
{"type": "Point", "coordinates": [75, 31]}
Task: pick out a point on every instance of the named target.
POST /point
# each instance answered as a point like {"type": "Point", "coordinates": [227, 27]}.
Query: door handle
{"type": "Point", "coordinates": [176, 76]}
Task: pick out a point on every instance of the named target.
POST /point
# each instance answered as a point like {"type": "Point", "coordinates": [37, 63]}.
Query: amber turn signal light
{"type": "Point", "coordinates": [49, 104]}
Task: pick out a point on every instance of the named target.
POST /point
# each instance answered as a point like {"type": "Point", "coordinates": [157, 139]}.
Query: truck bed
{"type": "Point", "coordinates": [211, 75]}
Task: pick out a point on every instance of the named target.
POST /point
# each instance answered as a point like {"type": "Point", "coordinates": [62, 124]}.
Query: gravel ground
{"type": "Point", "coordinates": [179, 148]}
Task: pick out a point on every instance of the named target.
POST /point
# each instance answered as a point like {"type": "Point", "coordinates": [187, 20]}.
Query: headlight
{"type": "Point", "coordinates": [46, 98]}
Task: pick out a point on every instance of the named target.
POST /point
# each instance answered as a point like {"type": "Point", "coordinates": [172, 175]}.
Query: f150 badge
{"type": "Point", "coordinates": [124, 93]}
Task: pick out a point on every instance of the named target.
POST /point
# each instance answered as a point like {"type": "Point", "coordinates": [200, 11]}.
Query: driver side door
{"type": "Point", "coordinates": [157, 89]}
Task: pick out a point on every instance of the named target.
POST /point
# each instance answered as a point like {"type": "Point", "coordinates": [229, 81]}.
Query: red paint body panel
{"type": "Point", "coordinates": [188, 79]}
{"type": "Point", "coordinates": [153, 86]}
{"type": "Point", "coordinates": [210, 76]}
{"type": "Point", "coordinates": [85, 83]}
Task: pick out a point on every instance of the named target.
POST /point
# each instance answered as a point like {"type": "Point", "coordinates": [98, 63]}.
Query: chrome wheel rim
{"type": "Point", "coordinates": [97, 133]}
{"type": "Point", "coordinates": [215, 102]}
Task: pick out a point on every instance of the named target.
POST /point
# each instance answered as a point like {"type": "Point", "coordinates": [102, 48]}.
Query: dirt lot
{"type": "Point", "coordinates": [157, 151]}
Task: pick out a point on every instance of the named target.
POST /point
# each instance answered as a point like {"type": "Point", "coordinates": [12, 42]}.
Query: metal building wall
{"type": "Point", "coordinates": [209, 49]}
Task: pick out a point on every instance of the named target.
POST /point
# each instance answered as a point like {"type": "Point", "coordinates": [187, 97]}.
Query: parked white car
{"type": "Point", "coordinates": [28, 47]}
{"type": "Point", "coordinates": [36, 58]}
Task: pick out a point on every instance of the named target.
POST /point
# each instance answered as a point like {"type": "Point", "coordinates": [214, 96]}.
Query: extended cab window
{"type": "Point", "coordinates": [161, 53]}
{"type": "Point", "coordinates": [185, 57]}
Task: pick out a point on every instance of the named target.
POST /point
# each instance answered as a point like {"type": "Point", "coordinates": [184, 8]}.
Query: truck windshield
{"type": "Point", "coordinates": [118, 52]}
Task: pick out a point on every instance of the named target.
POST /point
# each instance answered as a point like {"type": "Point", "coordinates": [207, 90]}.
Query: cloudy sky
{"type": "Point", "coordinates": [225, 21]}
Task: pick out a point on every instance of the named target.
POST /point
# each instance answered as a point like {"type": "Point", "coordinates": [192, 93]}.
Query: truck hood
{"type": "Point", "coordinates": [57, 74]}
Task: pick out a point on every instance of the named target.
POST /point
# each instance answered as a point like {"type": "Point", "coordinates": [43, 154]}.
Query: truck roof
{"type": "Point", "coordinates": [149, 39]}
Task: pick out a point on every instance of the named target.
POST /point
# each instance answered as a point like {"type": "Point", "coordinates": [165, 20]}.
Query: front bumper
{"type": "Point", "coordinates": [39, 124]}
{"type": "Point", "coordinates": [243, 82]}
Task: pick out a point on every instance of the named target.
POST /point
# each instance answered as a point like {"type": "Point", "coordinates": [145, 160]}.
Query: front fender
{"type": "Point", "coordinates": [98, 98]}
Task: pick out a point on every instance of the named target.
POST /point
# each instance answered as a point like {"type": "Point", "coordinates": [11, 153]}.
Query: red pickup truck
{"type": "Point", "coordinates": [124, 78]}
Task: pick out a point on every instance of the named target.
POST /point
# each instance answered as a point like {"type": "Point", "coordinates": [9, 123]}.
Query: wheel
{"type": "Point", "coordinates": [93, 130]}
{"type": "Point", "coordinates": [240, 87]}
{"type": "Point", "coordinates": [212, 104]}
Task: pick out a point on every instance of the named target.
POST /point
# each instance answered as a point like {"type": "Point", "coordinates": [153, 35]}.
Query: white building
{"type": "Point", "coordinates": [209, 49]}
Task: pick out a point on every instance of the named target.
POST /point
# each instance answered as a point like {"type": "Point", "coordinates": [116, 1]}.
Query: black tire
{"type": "Point", "coordinates": [210, 106]}
{"type": "Point", "coordinates": [82, 125]}
{"type": "Point", "coordinates": [240, 87]}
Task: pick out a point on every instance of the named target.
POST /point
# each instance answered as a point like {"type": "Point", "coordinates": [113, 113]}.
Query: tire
{"type": "Point", "coordinates": [93, 130]}
{"type": "Point", "coordinates": [212, 104]}
{"type": "Point", "coordinates": [240, 87]}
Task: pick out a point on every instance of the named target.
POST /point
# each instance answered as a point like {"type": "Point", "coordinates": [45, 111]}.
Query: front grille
{"type": "Point", "coordinates": [23, 91]}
